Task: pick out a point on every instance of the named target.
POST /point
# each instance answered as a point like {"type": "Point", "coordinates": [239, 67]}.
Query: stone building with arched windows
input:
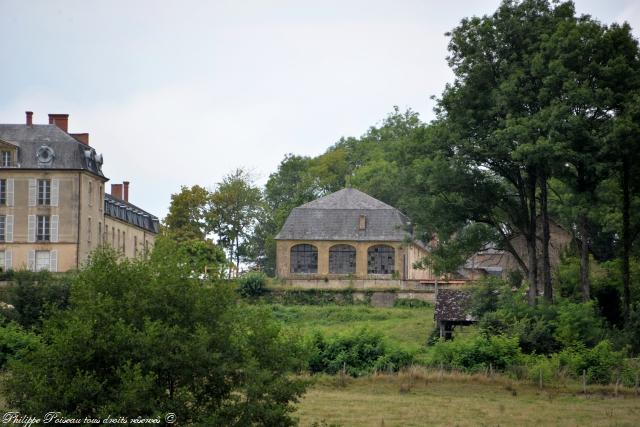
{"type": "Point", "coordinates": [346, 237]}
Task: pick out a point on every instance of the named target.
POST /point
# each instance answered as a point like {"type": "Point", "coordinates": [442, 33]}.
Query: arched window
{"type": "Point", "coordinates": [304, 259]}
{"type": "Point", "coordinates": [381, 259]}
{"type": "Point", "coordinates": [342, 259]}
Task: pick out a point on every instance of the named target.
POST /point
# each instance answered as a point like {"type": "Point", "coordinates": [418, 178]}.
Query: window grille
{"type": "Point", "coordinates": [380, 260]}
{"type": "Point", "coordinates": [342, 259]}
{"type": "Point", "coordinates": [304, 259]}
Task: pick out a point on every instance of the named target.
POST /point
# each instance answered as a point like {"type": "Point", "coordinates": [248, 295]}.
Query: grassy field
{"type": "Point", "coordinates": [422, 399]}
{"type": "Point", "coordinates": [406, 327]}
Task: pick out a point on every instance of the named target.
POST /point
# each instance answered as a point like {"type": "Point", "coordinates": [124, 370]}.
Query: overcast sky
{"type": "Point", "coordinates": [182, 92]}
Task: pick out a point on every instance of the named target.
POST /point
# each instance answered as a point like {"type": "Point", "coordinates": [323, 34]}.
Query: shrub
{"type": "Point", "coordinates": [358, 353]}
{"type": "Point", "coordinates": [14, 341]}
{"type": "Point", "coordinates": [477, 353]}
{"type": "Point", "coordinates": [145, 337]}
{"type": "Point", "coordinates": [33, 295]}
{"type": "Point", "coordinates": [252, 284]}
{"type": "Point", "coordinates": [578, 323]}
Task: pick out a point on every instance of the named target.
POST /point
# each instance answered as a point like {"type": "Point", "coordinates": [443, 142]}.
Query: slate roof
{"type": "Point", "coordinates": [125, 211]}
{"type": "Point", "coordinates": [68, 153]}
{"type": "Point", "coordinates": [337, 215]}
{"type": "Point", "coordinates": [453, 305]}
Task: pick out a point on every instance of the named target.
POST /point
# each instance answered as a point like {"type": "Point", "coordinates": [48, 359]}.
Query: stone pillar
{"type": "Point", "coordinates": [323, 257]}
{"type": "Point", "coordinates": [361, 260]}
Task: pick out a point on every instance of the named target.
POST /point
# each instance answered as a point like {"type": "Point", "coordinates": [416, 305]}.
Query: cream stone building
{"type": "Point", "coordinates": [349, 237]}
{"type": "Point", "coordinates": [53, 207]}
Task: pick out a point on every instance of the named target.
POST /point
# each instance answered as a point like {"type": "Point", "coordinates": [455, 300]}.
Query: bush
{"type": "Point", "coordinates": [34, 295]}
{"type": "Point", "coordinates": [477, 353]}
{"type": "Point", "coordinates": [578, 324]}
{"type": "Point", "coordinates": [14, 341]}
{"type": "Point", "coordinates": [358, 353]}
{"type": "Point", "coordinates": [252, 284]}
{"type": "Point", "coordinates": [144, 337]}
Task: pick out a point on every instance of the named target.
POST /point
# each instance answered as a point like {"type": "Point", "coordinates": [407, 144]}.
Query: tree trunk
{"type": "Point", "coordinates": [531, 241]}
{"type": "Point", "coordinates": [584, 257]}
{"type": "Point", "coordinates": [626, 237]}
{"type": "Point", "coordinates": [546, 263]}
{"type": "Point", "coordinates": [237, 256]}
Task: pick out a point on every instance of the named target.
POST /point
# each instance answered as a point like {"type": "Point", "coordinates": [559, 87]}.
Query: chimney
{"type": "Point", "coordinates": [81, 137]}
{"type": "Point", "coordinates": [60, 120]}
{"type": "Point", "coordinates": [126, 190]}
{"type": "Point", "coordinates": [116, 191]}
{"type": "Point", "coordinates": [29, 118]}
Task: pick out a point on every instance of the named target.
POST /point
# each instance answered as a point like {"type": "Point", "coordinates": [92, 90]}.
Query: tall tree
{"type": "Point", "coordinates": [186, 219]}
{"type": "Point", "coordinates": [234, 211]}
{"type": "Point", "coordinates": [494, 105]}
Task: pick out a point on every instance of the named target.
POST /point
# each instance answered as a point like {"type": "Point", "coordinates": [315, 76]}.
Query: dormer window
{"type": "Point", "coordinates": [6, 159]}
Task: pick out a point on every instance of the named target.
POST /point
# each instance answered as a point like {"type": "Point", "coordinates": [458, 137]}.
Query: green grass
{"type": "Point", "coordinates": [407, 328]}
{"type": "Point", "coordinates": [426, 398]}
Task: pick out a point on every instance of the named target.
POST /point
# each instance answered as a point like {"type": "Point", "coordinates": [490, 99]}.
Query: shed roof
{"type": "Point", "coordinates": [337, 217]}
{"type": "Point", "coordinates": [68, 153]}
{"type": "Point", "coordinates": [453, 305]}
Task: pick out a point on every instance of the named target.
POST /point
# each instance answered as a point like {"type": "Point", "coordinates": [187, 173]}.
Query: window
{"type": "Point", "coordinates": [3, 191]}
{"type": "Point", "coordinates": [44, 192]}
{"type": "Point", "coordinates": [6, 159]}
{"type": "Point", "coordinates": [43, 260]}
{"type": "Point", "coordinates": [90, 193]}
{"type": "Point", "coordinates": [113, 237]}
{"type": "Point", "coordinates": [43, 228]}
{"type": "Point", "coordinates": [135, 246]}
{"type": "Point", "coordinates": [99, 232]}
{"type": "Point", "coordinates": [124, 241]}
{"type": "Point", "coordinates": [380, 259]}
{"type": "Point", "coordinates": [304, 259]}
{"type": "Point", "coordinates": [89, 231]}
{"type": "Point", "coordinates": [342, 259]}
{"type": "Point", "coordinates": [3, 228]}
{"type": "Point", "coordinates": [2, 260]}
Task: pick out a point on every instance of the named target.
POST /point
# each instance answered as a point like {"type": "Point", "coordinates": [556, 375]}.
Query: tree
{"type": "Point", "coordinates": [186, 219]}
{"type": "Point", "coordinates": [142, 338]}
{"type": "Point", "coordinates": [234, 211]}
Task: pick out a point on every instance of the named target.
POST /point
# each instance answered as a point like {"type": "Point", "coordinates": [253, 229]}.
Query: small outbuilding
{"type": "Point", "coordinates": [453, 308]}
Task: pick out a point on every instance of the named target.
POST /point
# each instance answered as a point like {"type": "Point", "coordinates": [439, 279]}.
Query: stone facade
{"type": "Point", "coordinates": [52, 199]}
{"type": "Point", "coordinates": [376, 238]}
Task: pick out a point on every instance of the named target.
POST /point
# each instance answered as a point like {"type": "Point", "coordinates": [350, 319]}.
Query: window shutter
{"type": "Point", "coordinates": [55, 186]}
{"type": "Point", "coordinates": [53, 261]}
{"type": "Point", "coordinates": [8, 260]}
{"type": "Point", "coordinates": [32, 192]}
{"type": "Point", "coordinates": [54, 228]}
{"type": "Point", "coordinates": [31, 261]}
{"type": "Point", "coordinates": [10, 186]}
{"type": "Point", "coordinates": [8, 231]}
{"type": "Point", "coordinates": [31, 228]}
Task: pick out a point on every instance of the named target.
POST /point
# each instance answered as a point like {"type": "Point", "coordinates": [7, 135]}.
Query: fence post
{"type": "Point", "coordinates": [584, 381]}
{"type": "Point", "coordinates": [636, 383]}
{"type": "Point", "coordinates": [617, 385]}
{"type": "Point", "coordinates": [540, 380]}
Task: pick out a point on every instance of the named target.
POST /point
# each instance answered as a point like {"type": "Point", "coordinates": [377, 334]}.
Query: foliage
{"type": "Point", "coordinates": [233, 213]}
{"type": "Point", "coordinates": [34, 294]}
{"type": "Point", "coordinates": [356, 353]}
{"type": "Point", "coordinates": [186, 217]}
{"type": "Point", "coordinates": [15, 341]}
{"type": "Point", "coordinates": [142, 338]}
{"type": "Point", "coordinates": [477, 353]}
{"type": "Point", "coordinates": [200, 255]}
{"type": "Point", "coordinates": [578, 324]}
{"type": "Point", "coordinates": [252, 284]}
